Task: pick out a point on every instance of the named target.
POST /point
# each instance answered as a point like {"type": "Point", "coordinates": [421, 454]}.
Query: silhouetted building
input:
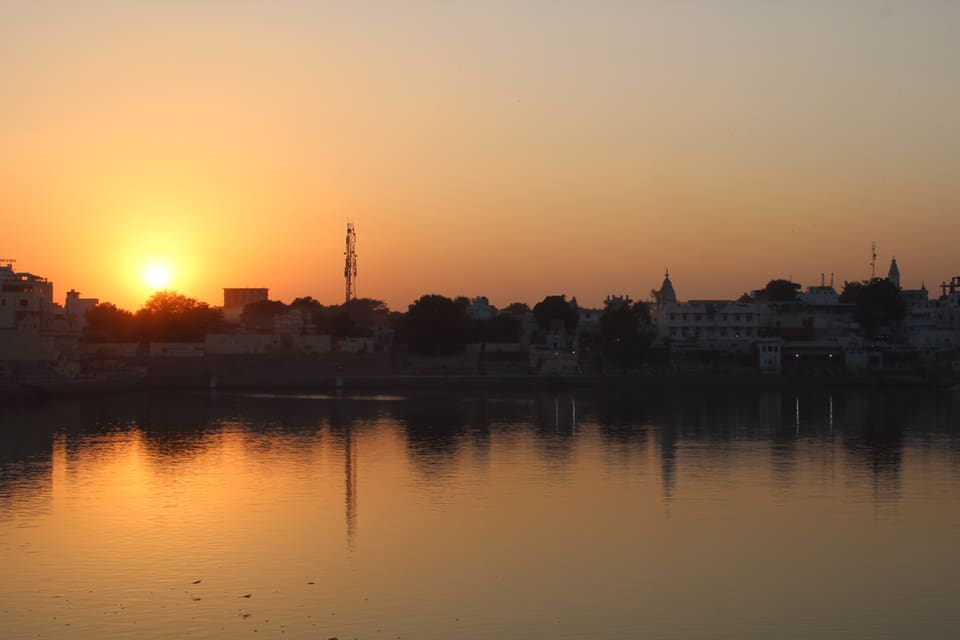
{"type": "Point", "coordinates": [480, 309]}
{"type": "Point", "coordinates": [893, 275]}
{"type": "Point", "coordinates": [32, 326]}
{"type": "Point", "coordinates": [666, 294]}
{"type": "Point", "coordinates": [77, 308]}
{"type": "Point", "coordinates": [26, 300]}
{"type": "Point", "coordinates": [234, 300]}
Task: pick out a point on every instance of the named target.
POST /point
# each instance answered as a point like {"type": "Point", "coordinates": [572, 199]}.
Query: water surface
{"type": "Point", "coordinates": [685, 514]}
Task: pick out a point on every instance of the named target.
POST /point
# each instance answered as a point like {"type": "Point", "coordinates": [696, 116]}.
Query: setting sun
{"type": "Point", "coordinates": [157, 277]}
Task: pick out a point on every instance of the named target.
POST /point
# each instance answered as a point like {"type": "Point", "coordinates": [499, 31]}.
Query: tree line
{"type": "Point", "coordinates": [437, 325]}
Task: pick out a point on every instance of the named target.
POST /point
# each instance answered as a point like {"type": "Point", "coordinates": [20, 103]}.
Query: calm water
{"type": "Point", "coordinates": [658, 515]}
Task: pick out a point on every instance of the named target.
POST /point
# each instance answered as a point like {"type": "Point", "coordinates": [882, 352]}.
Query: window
{"type": "Point", "coordinates": [23, 302]}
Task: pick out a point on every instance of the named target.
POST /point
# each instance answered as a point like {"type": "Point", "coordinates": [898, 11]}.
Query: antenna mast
{"type": "Point", "coordinates": [350, 266]}
{"type": "Point", "coordinates": [873, 261]}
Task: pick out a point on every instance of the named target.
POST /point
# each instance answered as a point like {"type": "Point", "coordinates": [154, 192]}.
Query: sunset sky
{"type": "Point", "coordinates": [508, 149]}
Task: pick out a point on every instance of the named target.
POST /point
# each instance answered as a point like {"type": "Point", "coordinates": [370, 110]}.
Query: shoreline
{"type": "Point", "coordinates": [391, 383]}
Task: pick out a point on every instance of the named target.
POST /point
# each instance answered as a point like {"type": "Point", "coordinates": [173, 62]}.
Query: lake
{"type": "Point", "coordinates": [693, 513]}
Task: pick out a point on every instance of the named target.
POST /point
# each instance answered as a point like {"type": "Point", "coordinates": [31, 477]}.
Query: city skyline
{"type": "Point", "coordinates": [512, 151]}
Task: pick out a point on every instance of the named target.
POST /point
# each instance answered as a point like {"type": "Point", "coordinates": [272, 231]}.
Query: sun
{"type": "Point", "coordinates": [157, 276]}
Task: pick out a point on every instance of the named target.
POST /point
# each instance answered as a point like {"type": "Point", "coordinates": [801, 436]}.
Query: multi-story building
{"type": "Point", "coordinates": [709, 324]}
{"type": "Point", "coordinates": [705, 324]}
{"type": "Point", "coordinates": [26, 300]}
{"type": "Point", "coordinates": [77, 308]}
{"type": "Point", "coordinates": [32, 326]}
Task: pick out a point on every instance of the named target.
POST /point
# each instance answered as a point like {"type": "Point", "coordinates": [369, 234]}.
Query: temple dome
{"type": "Point", "coordinates": [666, 293]}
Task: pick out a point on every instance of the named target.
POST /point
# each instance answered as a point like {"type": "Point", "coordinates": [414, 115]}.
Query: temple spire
{"type": "Point", "coordinates": [893, 275]}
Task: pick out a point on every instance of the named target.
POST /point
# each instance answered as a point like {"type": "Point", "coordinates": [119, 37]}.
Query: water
{"type": "Point", "coordinates": [687, 514]}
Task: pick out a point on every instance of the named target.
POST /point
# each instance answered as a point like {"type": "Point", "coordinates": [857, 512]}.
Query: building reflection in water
{"type": "Point", "coordinates": [350, 485]}
{"type": "Point", "coordinates": [40, 445]}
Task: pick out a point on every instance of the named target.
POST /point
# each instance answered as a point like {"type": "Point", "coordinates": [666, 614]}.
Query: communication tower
{"type": "Point", "coordinates": [350, 266]}
{"type": "Point", "coordinates": [873, 262]}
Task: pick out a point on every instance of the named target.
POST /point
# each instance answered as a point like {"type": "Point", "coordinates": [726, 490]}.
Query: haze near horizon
{"type": "Point", "coordinates": [512, 150]}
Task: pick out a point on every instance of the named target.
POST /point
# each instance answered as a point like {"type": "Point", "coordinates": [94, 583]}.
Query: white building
{"type": "Point", "coordinates": [265, 343]}
{"type": "Point", "coordinates": [709, 324]}
{"type": "Point", "coordinates": [480, 309]}
{"type": "Point", "coordinates": [933, 325]}
{"type": "Point", "coordinates": [705, 324]}
{"type": "Point", "coordinates": [32, 326]}
{"type": "Point", "coordinates": [77, 308]}
{"type": "Point", "coordinates": [770, 354]}
{"type": "Point", "coordinates": [26, 300]}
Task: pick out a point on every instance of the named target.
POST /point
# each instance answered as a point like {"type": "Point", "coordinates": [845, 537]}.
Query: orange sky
{"type": "Point", "coordinates": [505, 149]}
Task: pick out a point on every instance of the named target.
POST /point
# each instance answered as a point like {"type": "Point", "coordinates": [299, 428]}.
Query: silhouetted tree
{"type": "Point", "coordinates": [172, 317]}
{"type": "Point", "coordinates": [342, 325]}
{"type": "Point", "coordinates": [620, 328]}
{"type": "Point", "coordinates": [434, 325]}
{"type": "Point", "coordinates": [880, 307]}
{"type": "Point", "coordinates": [394, 318]}
{"type": "Point", "coordinates": [108, 323]}
{"type": "Point", "coordinates": [310, 309]}
{"type": "Point", "coordinates": [518, 308]}
{"type": "Point", "coordinates": [500, 328]}
{"type": "Point", "coordinates": [366, 313]}
{"type": "Point", "coordinates": [554, 312]}
{"type": "Point", "coordinates": [780, 291]}
{"type": "Point", "coordinates": [260, 315]}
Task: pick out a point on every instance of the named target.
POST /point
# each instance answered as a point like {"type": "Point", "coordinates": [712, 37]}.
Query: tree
{"type": "Point", "coordinates": [310, 309]}
{"type": "Point", "coordinates": [880, 307]}
{"type": "Point", "coordinates": [518, 308]}
{"type": "Point", "coordinates": [620, 329]}
{"type": "Point", "coordinates": [500, 328]}
{"type": "Point", "coordinates": [172, 317]}
{"type": "Point", "coordinates": [554, 312]}
{"type": "Point", "coordinates": [780, 291]}
{"type": "Point", "coordinates": [435, 325]}
{"type": "Point", "coordinates": [342, 325]}
{"type": "Point", "coordinates": [367, 313]}
{"type": "Point", "coordinates": [260, 315]}
{"type": "Point", "coordinates": [108, 323]}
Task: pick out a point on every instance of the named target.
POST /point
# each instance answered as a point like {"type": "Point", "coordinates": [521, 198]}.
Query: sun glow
{"type": "Point", "coordinates": [157, 277]}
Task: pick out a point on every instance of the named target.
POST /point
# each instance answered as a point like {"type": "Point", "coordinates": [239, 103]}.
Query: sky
{"type": "Point", "coordinates": [508, 149]}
